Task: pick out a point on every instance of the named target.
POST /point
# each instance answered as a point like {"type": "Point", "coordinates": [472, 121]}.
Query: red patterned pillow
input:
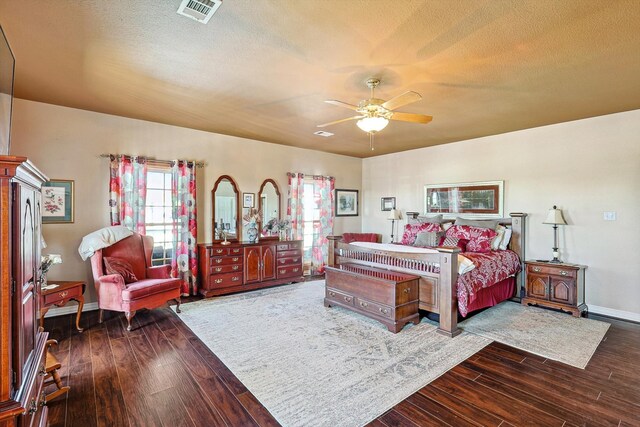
{"type": "Point", "coordinates": [411, 231]}
{"type": "Point", "coordinates": [454, 241]}
{"type": "Point", "coordinates": [114, 265]}
{"type": "Point", "coordinates": [479, 238]}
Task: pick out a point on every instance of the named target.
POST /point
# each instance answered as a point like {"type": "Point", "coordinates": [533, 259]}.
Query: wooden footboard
{"type": "Point", "coordinates": [438, 272]}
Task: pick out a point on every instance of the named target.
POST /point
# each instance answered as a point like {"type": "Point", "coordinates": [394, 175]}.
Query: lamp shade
{"type": "Point", "coordinates": [395, 214]}
{"type": "Point", "coordinates": [372, 124]}
{"type": "Point", "coordinates": [554, 216]}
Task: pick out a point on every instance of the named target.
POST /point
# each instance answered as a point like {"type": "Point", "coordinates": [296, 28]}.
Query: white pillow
{"type": "Point", "coordinates": [506, 239]}
{"type": "Point", "coordinates": [496, 241]}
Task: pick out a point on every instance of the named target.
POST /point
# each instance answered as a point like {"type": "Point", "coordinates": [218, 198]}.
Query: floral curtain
{"type": "Point", "coordinates": [295, 204]}
{"type": "Point", "coordinates": [128, 192]}
{"type": "Point", "coordinates": [323, 200]}
{"type": "Point", "coordinates": [184, 262]}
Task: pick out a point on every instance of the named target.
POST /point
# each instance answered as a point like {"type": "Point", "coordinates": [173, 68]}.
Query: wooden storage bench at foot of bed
{"type": "Point", "coordinates": [384, 295]}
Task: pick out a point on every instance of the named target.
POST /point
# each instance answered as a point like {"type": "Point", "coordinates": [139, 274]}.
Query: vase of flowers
{"type": "Point", "coordinates": [46, 262]}
{"type": "Point", "coordinates": [251, 220]}
{"type": "Point", "coordinates": [278, 227]}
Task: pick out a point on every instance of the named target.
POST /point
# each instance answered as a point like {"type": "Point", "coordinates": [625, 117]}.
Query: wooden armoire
{"type": "Point", "coordinates": [22, 343]}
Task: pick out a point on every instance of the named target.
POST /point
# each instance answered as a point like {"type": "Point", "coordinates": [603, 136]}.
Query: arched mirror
{"type": "Point", "coordinates": [225, 204]}
{"type": "Point", "coordinates": [269, 203]}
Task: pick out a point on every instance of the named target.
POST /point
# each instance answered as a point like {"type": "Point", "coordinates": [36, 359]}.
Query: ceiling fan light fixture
{"type": "Point", "coordinates": [372, 124]}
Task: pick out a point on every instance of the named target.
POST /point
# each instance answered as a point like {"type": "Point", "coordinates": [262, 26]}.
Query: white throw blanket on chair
{"type": "Point", "coordinates": [102, 238]}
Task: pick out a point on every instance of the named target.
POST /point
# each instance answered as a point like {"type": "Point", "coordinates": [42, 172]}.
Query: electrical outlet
{"type": "Point", "coordinates": [609, 216]}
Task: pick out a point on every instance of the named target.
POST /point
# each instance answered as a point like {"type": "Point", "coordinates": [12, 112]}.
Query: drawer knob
{"type": "Point", "coordinates": [218, 269]}
{"type": "Point", "coordinates": [235, 267]}
{"type": "Point", "coordinates": [406, 291]}
{"type": "Point", "coordinates": [282, 271]}
{"type": "Point", "coordinates": [384, 311]}
{"type": "Point", "coordinates": [218, 261]}
{"type": "Point", "coordinates": [235, 259]}
{"type": "Point", "coordinates": [332, 294]}
{"type": "Point", "coordinates": [235, 278]}
{"type": "Point", "coordinates": [63, 294]}
{"type": "Point", "coordinates": [347, 299]}
{"type": "Point", "coordinates": [564, 273]}
{"type": "Point", "coordinates": [363, 304]}
{"type": "Point", "coordinates": [536, 269]}
{"type": "Point", "coordinates": [295, 270]}
{"type": "Point", "coordinates": [219, 251]}
{"type": "Point", "coordinates": [235, 251]}
{"type": "Point", "coordinates": [218, 280]}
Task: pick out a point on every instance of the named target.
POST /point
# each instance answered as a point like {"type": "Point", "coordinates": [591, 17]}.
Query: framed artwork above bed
{"type": "Point", "coordinates": [483, 199]}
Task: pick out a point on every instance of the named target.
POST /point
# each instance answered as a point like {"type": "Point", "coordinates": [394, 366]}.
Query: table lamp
{"type": "Point", "coordinates": [394, 215]}
{"type": "Point", "coordinates": [554, 217]}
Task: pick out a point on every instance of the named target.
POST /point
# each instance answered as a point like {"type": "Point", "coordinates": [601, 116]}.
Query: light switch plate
{"type": "Point", "coordinates": [609, 216]}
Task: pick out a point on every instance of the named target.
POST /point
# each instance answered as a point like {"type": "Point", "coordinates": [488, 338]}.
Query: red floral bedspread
{"type": "Point", "coordinates": [491, 268]}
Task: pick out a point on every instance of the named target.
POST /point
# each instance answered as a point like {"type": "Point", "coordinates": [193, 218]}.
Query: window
{"type": "Point", "coordinates": [159, 215]}
{"type": "Point", "coordinates": [311, 209]}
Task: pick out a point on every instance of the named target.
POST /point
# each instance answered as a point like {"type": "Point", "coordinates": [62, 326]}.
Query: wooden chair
{"type": "Point", "coordinates": [52, 377]}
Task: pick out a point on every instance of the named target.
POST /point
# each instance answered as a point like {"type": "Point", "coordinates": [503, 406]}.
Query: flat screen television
{"type": "Point", "coordinates": [7, 68]}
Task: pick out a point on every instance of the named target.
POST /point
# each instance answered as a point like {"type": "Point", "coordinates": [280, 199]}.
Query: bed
{"type": "Point", "coordinates": [446, 288]}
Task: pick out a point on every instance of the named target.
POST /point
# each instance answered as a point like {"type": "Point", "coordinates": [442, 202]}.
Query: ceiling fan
{"type": "Point", "coordinates": [374, 113]}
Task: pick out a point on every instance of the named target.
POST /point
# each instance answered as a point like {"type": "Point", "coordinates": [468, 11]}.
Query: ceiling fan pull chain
{"type": "Point", "coordinates": [371, 141]}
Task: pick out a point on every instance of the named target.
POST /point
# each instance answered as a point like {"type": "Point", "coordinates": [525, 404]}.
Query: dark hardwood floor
{"type": "Point", "coordinates": [161, 374]}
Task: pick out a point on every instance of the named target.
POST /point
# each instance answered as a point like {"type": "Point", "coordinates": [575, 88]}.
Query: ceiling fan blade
{"type": "Point", "coordinates": [400, 100]}
{"type": "Point", "coordinates": [341, 104]}
{"type": "Point", "coordinates": [410, 117]}
{"type": "Point", "coordinates": [340, 121]}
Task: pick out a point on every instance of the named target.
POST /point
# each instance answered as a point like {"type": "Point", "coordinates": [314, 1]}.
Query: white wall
{"type": "Point", "coordinates": [65, 143]}
{"type": "Point", "coordinates": [585, 167]}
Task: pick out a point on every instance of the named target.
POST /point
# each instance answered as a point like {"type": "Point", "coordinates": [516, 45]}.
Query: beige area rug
{"type": "Point", "coordinates": [316, 366]}
{"type": "Point", "coordinates": [557, 336]}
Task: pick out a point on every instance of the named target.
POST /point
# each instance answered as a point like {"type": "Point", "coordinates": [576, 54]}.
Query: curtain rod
{"type": "Point", "coordinates": [311, 175]}
{"type": "Point", "coordinates": [153, 159]}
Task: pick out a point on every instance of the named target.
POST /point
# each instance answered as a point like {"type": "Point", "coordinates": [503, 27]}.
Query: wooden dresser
{"type": "Point", "coordinates": [22, 342]}
{"type": "Point", "coordinates": [243, 266]}
{"type": "Point", "coordinates": [555, 285]}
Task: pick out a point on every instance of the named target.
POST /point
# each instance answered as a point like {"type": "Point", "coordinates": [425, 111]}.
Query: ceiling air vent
{"type": "Point", "coordinates": [200, 10]}
{"type": "Point", "coordinates": [323, 133]}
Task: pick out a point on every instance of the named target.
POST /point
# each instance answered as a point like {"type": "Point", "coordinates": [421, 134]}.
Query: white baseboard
{"type": "Point", "coordinates": [70, 309]}
{"type": "Point", "coordinates": [620, 314]}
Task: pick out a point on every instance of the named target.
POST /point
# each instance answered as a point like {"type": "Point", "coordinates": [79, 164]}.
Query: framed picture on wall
{"type": "Point", "coordinates": [473, 199]}
{"type": "Point", "coordinates": [248, 200]}
{"type": "Point", "coordinates": [57, 201]}
{"type": "Point", "coordinates": [346, 202]}
{"type": "Point", "coordinates": [387, 203]}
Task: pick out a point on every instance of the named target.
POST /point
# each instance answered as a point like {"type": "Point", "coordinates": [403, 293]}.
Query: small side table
{"type": "Point", "coordinates": [555, 285]}
{"type": "Point", "coordinates": [60, 296]}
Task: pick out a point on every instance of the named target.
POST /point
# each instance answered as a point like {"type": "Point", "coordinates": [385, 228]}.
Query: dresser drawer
{"type": "Point", "coordinates": [218, 251]}
{"type": "Point", "coordinates": [290, 271]}
{"type": "Point", "coordinates": [219, 269]}
{"type": "Point", "coordinates": [340, 297]}
{"type": "Point", "coordinates": [225, 280]}
{"type": "Point", "coordinates": [375, 308]}
{"type": "Point", "coordinates": [59, 296]}
{"type": "Point", "coordinates": [407, 292]}
{"type": "Point", "coordinates": [288, 246]}
{"type": "Point", "coordinates": [297, 260]}
{"type": "Point", "coordinates": [289, 254]}
{"type": "Point", "coordinates": [556, 271]}
{"type": "Point", "coordinates": [226, 260]}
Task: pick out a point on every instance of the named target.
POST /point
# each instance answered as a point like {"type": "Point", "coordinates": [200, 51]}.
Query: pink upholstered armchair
{"type": "Point", "coordinates": [154, 286]}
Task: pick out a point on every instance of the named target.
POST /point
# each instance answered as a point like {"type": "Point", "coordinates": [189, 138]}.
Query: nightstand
{"type": "Point", "coordinates": [60, 293]}
{"type": "Point", "coordinates": [555, 285]}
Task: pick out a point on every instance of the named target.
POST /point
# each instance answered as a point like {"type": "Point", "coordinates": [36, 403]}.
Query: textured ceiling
{"type": "Point", "coordinates": [260, 69]}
